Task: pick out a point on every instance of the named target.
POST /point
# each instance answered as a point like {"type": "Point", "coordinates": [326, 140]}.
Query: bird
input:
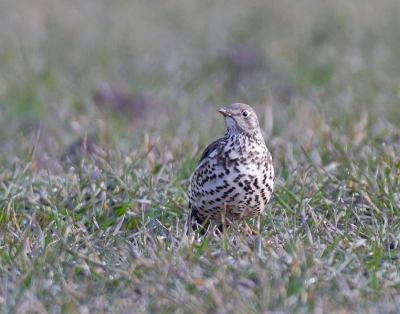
{"type": "Point", "coordinates": [234, 178]}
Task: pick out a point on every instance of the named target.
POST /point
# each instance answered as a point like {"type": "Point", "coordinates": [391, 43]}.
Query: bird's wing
{"type": "Point", "coordinates": [203, 162]}
{"type": "Point", "coordinates": [210, 148]}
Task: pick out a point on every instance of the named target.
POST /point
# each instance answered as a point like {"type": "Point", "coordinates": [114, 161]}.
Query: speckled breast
{"type": "Point", "coordinates": [238, 173]}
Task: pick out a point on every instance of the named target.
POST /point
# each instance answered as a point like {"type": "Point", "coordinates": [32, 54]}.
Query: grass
{"type": "Point", "coordinates": [105, 110]}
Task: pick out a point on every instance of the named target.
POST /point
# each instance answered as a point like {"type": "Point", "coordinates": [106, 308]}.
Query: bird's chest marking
{"type": "Point", "coordinates": [236, 175]}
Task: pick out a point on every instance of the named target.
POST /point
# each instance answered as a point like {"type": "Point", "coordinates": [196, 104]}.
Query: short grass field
{"type": "Point", "coordinates": [105, 108]}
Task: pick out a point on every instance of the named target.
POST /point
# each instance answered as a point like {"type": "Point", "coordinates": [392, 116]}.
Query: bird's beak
{"type": "Point", "coordinates": [225, 112]}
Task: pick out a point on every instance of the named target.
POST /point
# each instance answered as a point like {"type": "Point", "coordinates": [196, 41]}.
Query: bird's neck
{"type": "Point", "coordinates": [254, 134]}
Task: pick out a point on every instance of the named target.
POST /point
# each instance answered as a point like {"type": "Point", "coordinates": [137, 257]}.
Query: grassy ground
{"type": "Point", "coordinates": [105, 109]}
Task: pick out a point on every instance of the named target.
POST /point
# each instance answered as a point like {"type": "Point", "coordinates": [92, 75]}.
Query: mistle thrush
{"type": "Point", "coordinates": [235, 174]}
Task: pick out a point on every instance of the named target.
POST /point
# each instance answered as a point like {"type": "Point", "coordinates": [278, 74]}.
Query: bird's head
{"type": "Point", "coordinates": [242, 119]}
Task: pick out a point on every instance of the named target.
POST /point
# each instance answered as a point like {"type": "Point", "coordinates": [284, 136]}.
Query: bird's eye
{"type": "Point", "coordinates": [245, 113]}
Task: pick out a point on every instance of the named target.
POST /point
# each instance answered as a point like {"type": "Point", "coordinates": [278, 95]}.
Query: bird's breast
{"type": "Point", "coordinates": [237, 174]}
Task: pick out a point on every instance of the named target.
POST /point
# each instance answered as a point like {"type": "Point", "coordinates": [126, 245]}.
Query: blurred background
{"type": "Point", "coordinates": [103, 74]}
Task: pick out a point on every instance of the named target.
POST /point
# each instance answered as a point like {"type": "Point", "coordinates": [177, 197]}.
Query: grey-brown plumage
{"type": "Point", "coordinates": [235, 171]}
